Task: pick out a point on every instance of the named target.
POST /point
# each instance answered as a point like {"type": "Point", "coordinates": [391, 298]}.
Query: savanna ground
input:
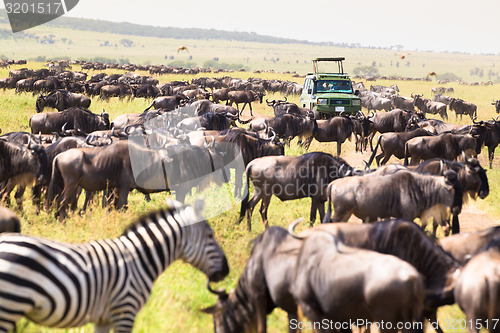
{"type": "Point", "coordinates": [180, 292]}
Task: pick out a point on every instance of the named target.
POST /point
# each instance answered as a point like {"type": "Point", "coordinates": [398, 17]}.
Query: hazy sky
{"type": "Point", "coordinates": [453, 25]}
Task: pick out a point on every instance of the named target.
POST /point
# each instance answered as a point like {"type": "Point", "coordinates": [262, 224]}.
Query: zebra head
{"type": "Point", "coordinates": [200, 247]}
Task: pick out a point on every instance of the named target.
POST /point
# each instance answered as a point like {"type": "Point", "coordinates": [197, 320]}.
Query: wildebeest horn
{"type": "Point", "coordinates": [270, 103]}
{"type": "Point", "coordinates": [29, 142]}
{"type": "Point", "coordinates": [89, 139]}
{"type": "Point", "coordinates": [220, 293]}
{"type": "Point", "coordinates": [476, 122]}
{"type": "Point", "coordinates": [109, 137]}
{"type": "Point", "coordinates": [63, 128]}
{"type": "Point", "coordinates": [292, 226]}
{"type": "Point", "coordinates": [496, 119]}
{"type": "Point", "coordinates": [441, 166]}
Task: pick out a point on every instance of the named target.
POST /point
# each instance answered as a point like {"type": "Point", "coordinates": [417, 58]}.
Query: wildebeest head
{"type": "Point", "coordinates": [476, 178]}
{"type": "Point", "coordinates": [454, 184]}
{"type": "Point", "coordinates": [40, 103]}
{"type": "Point", "coordinates": [105, 121]}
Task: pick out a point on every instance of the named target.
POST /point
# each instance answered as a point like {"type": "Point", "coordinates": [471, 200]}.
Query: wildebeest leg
{"type": "Point", "coordinates": [68, 193]}
{"type": "Point", "coordinates": [7, 188]}
{"type": "Point", "coordinates": [307, 143]}
{"type": "Point", "coordinates": [147, 197]}
{"type": "Point", "coordinates": [339, 147]}
{"type": "Point", "coordinates": [261, 309]}
{"type": "Point", "coordinates": [251, 111]}
{"type": "Point", "coordinates": [266, 200]}
{"type": "Point", "coordinates": [491, 155]}
{"type": "Point", "coordinates": [316, 205]}
{"type": "Point", "coordinates": [254, 200]}
{"type": "Point", "coordinates": [122, 197]}
{"type": "Point", "coordinates": [37, 197]}
{"type": "Point", "coordinates": [19, 196]}
{"type": "Point", "coordinates": [89, 198]}
{"type": "Point", "coordinates": [340, 215]}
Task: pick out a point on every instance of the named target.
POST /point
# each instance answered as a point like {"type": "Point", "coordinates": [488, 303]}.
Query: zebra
{"type": "Point", "coordinates": [105, 282]}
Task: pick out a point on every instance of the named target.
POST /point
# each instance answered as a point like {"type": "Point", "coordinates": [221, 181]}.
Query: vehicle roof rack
{"type": "Point", "coordinates": [338, 60]}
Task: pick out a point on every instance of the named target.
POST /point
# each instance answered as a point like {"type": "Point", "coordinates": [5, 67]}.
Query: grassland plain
{"type": "Point", "coordinates": [76, 44]}
{"type": "Point", "coordinates": [180, 292]}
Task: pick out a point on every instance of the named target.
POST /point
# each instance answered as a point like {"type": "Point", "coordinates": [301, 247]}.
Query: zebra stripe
{"type": "Point", "coordinates": [105, 282]}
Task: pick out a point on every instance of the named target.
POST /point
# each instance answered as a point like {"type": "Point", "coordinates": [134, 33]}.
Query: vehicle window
{"type": "Point", "coordinates": [328, 86]}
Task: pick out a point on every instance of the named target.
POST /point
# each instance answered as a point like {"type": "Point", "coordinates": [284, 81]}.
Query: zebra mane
{"type": "Point", "coordinates": [146, 219]}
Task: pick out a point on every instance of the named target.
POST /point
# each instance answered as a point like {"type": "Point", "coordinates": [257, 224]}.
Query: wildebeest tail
{"type": "Point", "coordinates": [328, 213]}
{"type": "Point", "coordinates": [374, 151]}
{"type": "Point", "coordinates": [149, 107]}
{"type": "Point", "coordinates": [244, 202]}
{"type": "Point", "coordinates": [406, 154]}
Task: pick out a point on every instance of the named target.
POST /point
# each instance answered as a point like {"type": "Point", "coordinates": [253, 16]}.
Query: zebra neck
{"type": "Point", "coordinates": [152, 248]}
{"type": "Point", "coordinates": [240, 314]}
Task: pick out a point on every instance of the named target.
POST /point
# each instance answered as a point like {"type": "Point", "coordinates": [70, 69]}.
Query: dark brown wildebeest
{"type": "Point", "coordinates": [335, 129]}
{"type": "Point", "coordinates": [209, 121]}
{"type": "Point", "coordinates": [401, 102]}
{"type": "Point", "coordinates": [461, 107]}
{"type": "Point", "coordinates": [392, 121]}
{"type": "Point", "coordinates": [488, 134]}
{"type": "Point", "coordinates": [168, 102]}
{"type": "Point", "coordinates": [287, 126]}
{"type": "Point", "coordinates": [496, 103]}
{"type": "Point", "coordinates": [94, 88]}
{"type": "Point", "coordinates": [466, 245]}
{"type": "Point", "coordinates": [46, 85]}
{"type": "Point", "coordinates": [73, 118]}
{"type": "Point", "coordinates": [111, 90]}
{"type": "Point", "coordinates": [394, 144]}
{"type": "Point", "coordinates": [9, 222]}
{"type": "Point", "coordinates": [477, 290]}
{"type": "Point", "coordinates": [221, 94]}
{"type": "Point", "coordinates": [290, 178]}
{"type": "Point", "coordinates": [427, 106]}
{"type": "Point", "coordinates": [332, 279]}
{"type": "Point", "coordinates": [266, 280]}
{"type": "Point", "coordinates": [281, 107]}
{"type": "Point", "coordinates": [204, 106]}
{"type": "Point", "coordinates": [446, 146]}
{"type": "Point", "coordinates": [403, 194]}
{"type": "Point", "coordinates": [61, 100]}
{"type": "Point", "coordinates": [442, 98]}
{"type": "Point", "coordinates": [245, 97]}
{"type": "Point", "coordinates": [145, 90]}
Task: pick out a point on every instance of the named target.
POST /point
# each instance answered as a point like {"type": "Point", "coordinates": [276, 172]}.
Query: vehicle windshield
{"type": "Point", "coordinates": [332, 86]}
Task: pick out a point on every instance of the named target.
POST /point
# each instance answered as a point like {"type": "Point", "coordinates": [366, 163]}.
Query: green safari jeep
{"type": "Point", "coordinates": [329, 94]}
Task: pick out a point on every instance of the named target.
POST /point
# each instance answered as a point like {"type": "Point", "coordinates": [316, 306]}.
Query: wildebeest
{"type": "Point", "coordinates": [377, 103]}
{"type": "Point", "coordinates": [208, 121]}
{"type": "Point", "coordinates": [221, 94]}
{"type": "Point", "coordinates": [401, 102]}
{"type": "Point", "coordinates": [461, 107]}
{"type": "Point", "coordinates": [266, 280]}
{"type": "Point", "coordinates": [287, 126]}
{"type": "Point", "coordinates": [394, 144]}
{"type": "Point", "coordinates": [446, 146]}
{"type": "Point", "coordinates": [289, 178]}
{"type": "Point", "coordinates": [333, 129]}
{"type": "Point", "coordinates": [168, 102]}
{"type": "Point", "coordinates": [488, 134]}
{"type": "Point", "coordinates": [119, 90]}
{"type": "Point", "coordinates": [145, 90]}
{"type": "Point", "coordinates": [332, 280]}
{"type": "Point", "coordinates": [428, 106]}
{"type": "Point", "coordinates": [392, 121]}
{"type": "Point", "coordinates": [72, 118]}
{"type": "Point", "coordinates": [496, 103]}
{"type": "Point", "coordinates": [443, 99]}
{"type": "Point", "coordinates": [245, 97]}
{"type": "Point", "coordinates": [477, 290]}
{"type": "Point", "coordinates": [281, 107]}
{"type": "Point", "coordinates": [466, 245]}
{"type": "Point", "coordinates": [9, 222]}
{"type": "Point", "coordinates": [61, 100]}
{"type": "Point", "coordinates": [403, 194]}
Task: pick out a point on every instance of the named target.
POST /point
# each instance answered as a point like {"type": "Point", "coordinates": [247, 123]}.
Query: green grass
{"type": "Point", "coordinates": [180, 292]}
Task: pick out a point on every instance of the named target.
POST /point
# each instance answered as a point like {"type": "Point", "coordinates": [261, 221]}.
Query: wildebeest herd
{"type": "Point", "coordinates": [387, 269]}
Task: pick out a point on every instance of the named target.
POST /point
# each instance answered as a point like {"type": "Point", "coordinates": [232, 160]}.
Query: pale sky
{"type": "Point", "coordinates": [439, 25]}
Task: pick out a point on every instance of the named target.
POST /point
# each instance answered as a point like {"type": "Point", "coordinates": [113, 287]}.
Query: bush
{"type": "Point", "coordinates": [365, 71]}
{"type": "Point", "coordinates": [448, 76]}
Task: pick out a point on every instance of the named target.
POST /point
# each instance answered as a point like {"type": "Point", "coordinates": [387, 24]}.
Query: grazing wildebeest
{"type": "Point", "coordinates": [72, 118]}
{"type": "Point", "coordinates": [496, 103]}
{"type": "Point", "coordinates": [290, 178]}
{"type": "Point", "coordinates": [208, 121]}
{"type": "Point", "coordinates": [9, 222]}
{"type": "Point", "coordinates": [333, 279]}
{"type": "Point", "coordinates": [466, 245]}
{"type": "Point", "coordinates": [392, 121]}
{"type": "Point", "coordinates": [394, 144]}
{"type": "Point", "coordinates": [403, 194]}
{"type": "Point", "coordinates": [266, 280]}
{"type": "Point", "coordinates": [287, 126]}
{"type": "Point", "coordinates": [145, 90]}
{"type": "Point", "coordinates": [61, 100]}
{"type": "Point", "coordinates": [245, 97]}
{"type": "Point", "coordinates": [333, 129]}
{"type": "Point", "coordinates": [477, 290]}
{"type": "Point", "coordinates": [461, 107]}
{"type": "Point", "coordinates": [427, 106]}
{"type": "Point", "coordinates": [168, 102]}
{"type": "Point", "coordinates": [446, 146]}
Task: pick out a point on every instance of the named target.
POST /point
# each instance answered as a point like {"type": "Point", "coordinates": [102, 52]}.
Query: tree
{"type": "Point", "coordinates": [126, 42]}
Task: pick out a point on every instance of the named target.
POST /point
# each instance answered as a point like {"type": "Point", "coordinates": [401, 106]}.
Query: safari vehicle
{"type": "Point", "coordinates": [329, 94]}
